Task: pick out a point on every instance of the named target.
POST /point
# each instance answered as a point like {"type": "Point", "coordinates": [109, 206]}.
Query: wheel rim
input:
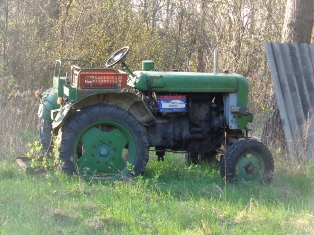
{"type": "Point", "coordinates": [250, 167]}
{"type": "Point", "coordinates": [104, 150]}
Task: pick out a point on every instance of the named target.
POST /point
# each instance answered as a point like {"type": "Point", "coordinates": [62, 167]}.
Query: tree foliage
{"type": "Point", "coordinates": [179, 34]}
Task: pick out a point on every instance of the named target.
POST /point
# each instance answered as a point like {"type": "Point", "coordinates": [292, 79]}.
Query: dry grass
{"type": "Point", "coordinates": [18, 125]}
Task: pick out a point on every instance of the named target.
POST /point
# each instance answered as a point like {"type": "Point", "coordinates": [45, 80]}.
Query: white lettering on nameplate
{"type": "Point", "coordinates": [178, 104]}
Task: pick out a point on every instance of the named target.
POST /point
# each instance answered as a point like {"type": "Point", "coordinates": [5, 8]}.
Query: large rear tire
{"type": "Point", "coordinates": [103, 142]}
{"type": "Point", "coordinates": [247, 161]}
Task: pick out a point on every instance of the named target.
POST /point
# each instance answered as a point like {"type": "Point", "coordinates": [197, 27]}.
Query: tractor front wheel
{"type": "Point", "coordinates": [247, 161]}
{"type": "Point", "coordinates": [103, 142]}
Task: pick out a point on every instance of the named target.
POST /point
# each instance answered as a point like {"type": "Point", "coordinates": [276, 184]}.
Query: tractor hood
{"type": "Point", "coordinates": [159, 81]}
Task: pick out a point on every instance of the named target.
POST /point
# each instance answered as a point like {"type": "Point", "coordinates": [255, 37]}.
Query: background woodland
{"type": "Point", "coordinates": [179, 34]}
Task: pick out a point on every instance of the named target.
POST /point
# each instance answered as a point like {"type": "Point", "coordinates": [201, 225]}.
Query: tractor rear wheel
{"type": "Point", "coordinates": [247, 161]}
{"type": "Point", "coordinates": [103, 142]}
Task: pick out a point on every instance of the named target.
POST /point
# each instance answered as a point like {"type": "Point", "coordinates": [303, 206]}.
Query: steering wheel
{"type": "Point", "coordinates": [118, 56]}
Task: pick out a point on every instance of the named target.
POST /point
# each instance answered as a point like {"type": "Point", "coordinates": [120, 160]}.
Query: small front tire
{"type": "Point", "coordinates": [247, 161]}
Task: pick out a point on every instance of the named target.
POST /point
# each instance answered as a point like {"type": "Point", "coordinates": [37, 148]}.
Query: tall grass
{"type": "Point", "coordinates": [171, 198]}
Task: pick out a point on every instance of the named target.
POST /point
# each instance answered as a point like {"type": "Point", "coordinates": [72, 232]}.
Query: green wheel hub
{"type": "Point", "coordinates": [104, 149]}
{"type": "Point", "coordinates": [250, 167]}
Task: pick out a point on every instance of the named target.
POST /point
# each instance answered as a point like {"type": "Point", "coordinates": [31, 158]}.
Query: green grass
{"type": "Point", "coordinates": [170, 199]}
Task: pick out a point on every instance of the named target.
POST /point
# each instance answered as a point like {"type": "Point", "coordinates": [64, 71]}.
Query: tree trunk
{"type": "Point", "coordinates": [54, 9]}
{"type": "Point", "coordinates": [299, 19]}
{"type": "Point", "coordinates": [5, 16]}
{"type": "Point", "coordinates": [298, 27]}
{"type": "Point", "coordinates": [200, 40]}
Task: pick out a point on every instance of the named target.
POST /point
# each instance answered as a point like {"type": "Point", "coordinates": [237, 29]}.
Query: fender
{"type": "Point", "coordinates": [48, 103]}
{"type": "Point", "coordinates": [125, 100]}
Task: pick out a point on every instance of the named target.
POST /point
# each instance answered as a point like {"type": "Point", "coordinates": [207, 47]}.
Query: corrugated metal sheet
{"type": "Point", "coordinates": [292, 72]}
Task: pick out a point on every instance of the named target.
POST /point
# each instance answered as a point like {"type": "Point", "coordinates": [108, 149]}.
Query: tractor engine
{"type": "Point", "coordinates": [184, 121]}
{"type": "Point", "coordinates": [192, 110]}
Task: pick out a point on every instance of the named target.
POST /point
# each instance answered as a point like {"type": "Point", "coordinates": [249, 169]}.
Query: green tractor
{"type": "Point", "coordinates": [105, 121]}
